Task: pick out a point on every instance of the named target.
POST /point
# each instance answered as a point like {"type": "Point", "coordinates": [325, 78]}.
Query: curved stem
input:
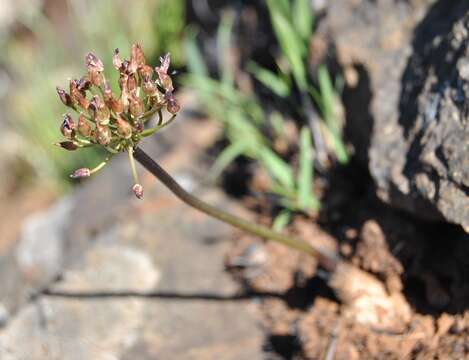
{"type": "Point", "coordinates": [328, 261]}
{"type": "Point", "coordinates": [151, 131]}
{"type": "Point", "coordinates": [149, 113]}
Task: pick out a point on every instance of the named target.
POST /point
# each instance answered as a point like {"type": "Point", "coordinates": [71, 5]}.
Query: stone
{"type": "Point", "coordinates": [85, 329]}
{"type": "Point", "coordinates": [39, 253]}
{"type": "Point", "coordinates": [407, 112]}
{"type": "Point", "coordinates": [4, 315]}
{"type": "Point", "coordinates": [137, 279]}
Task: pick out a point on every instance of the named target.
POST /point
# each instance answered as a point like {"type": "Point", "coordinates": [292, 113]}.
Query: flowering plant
{"type": "Point", "coordinates": [117, 122]}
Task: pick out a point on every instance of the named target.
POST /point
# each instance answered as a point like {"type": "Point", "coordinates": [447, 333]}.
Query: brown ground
{"type": "Point", "coordinates": [426, 263]}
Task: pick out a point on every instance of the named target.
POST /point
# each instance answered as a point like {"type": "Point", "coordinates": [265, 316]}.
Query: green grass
{"type": "Point", "coordinates": [292, 23]}
{"type": "Point", "coordinates": [244, 120]}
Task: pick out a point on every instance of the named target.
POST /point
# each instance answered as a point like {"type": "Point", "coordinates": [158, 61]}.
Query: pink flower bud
{"type": "Point", "coordinates": [116, 60]}
{"type": "Point", "coordinates": [107, 92]}
{"type": "Point", "coordinates": [93, 63]}
{"type": "Point", "coordinates": [67, 145]}
{"type": "Point", "coordinates": [64, 97]}
{"type": "Point", "coordinates": [166, 82]}
{"type": "Point", "coordinates": [96, 78]}
{"type": "Point", "coordinates": [77, 95]}
{"type": "Point", "coordinates": [123, 81]}
{"type": "Point", "coordinates": [103, 134]}
{"type": "Point", "coordinates": [137, 107]}
{"type": "Point", "coordinates": [137, 55]}
{"type": "Point", "coordinates": [139, 125]}
{"type": "Point", "coordinates": [162, 71]}
{"type": "Point", "coordinates": [124, 128]}
{"type": "Point", "coordinates": [95, 66]}
{"type": "Point", "coordinates": [117, 106]}
{"type": "Point", "coordinates": [165, 61]}
{"type": "Point", "coordinates": [146, 72]}
{"type": "Point", "coordinates": [125, 69]}
{"type": "Point", "coordinates": [81, 173]}
{"type": "Point", "coordinates": [149, 88]}
{"type": "Point", "coordinates": [171, 103]}
{"type": "Point", "coordinates": [138, 191]}
{"type": "Point", "coordinates": [101, 112]}
{"type": "Point", "coordinates": [132, 84]}
{"type": "Point", "coordinates": [68, 127]}
{"type": "Point", "coordinates": [84, 84]}
{"type": "Point", "coordinates": [84, 128]}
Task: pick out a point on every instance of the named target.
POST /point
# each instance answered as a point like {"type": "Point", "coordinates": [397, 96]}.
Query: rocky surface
{"type": "Point", "coordinates": [405, 68]}
{"type": "Point", "coordinates": [101, 275]}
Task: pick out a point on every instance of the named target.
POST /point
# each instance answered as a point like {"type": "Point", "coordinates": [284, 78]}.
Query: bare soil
{"type": "Point", "coordinates": [306, 321]}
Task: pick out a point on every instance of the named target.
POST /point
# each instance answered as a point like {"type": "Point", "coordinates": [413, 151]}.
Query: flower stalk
{"type": "Point", "coordinates": [326, 260]}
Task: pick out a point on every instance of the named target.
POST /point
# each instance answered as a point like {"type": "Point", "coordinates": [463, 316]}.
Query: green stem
{"type": "Point", "coordinates": [151, 131]}
{"type": "Point", "coordinates": [132, 165]}
{"type": "Point", "coordinates": [101, 165]}
{"type": "Point", "coordinates": [149, 113]}
{"type": "Point", "coordinates": [328, 261]}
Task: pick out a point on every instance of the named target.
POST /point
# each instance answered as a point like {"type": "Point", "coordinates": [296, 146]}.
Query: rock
{"type": "Point", "coordinates": [137, 280]}
{"type": "Point", "coordinates": [38, 257]}
{"type": "Point", "coordinates": [144, 289]}
{"type": "Point", "coordinates": [40, 252]}
{"type": "Point", "coordinates": [434, 115]}
{"type": "Point", "coordinates": [407, 111]}
{"type": "Point", "coordinates": [52, 240]}
{"type": "Point", "coordinates": [366, 300]}
{"type": "Point", "coordinates": [4, 315]}
{"type": "Point", "coordinates": [85, 329]}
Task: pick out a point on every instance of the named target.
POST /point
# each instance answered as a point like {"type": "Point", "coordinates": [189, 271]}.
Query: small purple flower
{"type": "Point", "coordinates": [138, 191]}
{"type": "Point", "coordinates": [81, 173]}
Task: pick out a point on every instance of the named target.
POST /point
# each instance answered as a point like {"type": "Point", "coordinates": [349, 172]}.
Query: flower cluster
{"type": "Point", "coordinates": [117, 122]}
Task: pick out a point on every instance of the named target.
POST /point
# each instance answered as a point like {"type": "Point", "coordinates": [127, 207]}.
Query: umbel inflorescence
{"type": "Point", "coordinates": [117, 122]}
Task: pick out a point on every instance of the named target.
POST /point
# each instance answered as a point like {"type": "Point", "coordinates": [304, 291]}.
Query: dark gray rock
{"type": "Point", "coordinates": [406, 99]}
{"type": "Point", "coordinates": [434, 110]}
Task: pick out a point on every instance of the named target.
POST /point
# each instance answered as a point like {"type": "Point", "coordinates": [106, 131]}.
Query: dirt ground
{"type": "Point", "coordinates": [426, 263]}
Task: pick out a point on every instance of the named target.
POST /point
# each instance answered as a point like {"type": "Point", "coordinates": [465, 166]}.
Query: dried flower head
{"type": "Point", "coordinates": [117, 121]}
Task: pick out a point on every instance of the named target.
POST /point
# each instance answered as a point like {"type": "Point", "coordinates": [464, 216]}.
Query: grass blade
{"type": "Point", "coordinates": [328, 99]}
{"type": "Point", "coordinates": [306, 198]}
{"type": "Point", "coordinates": [291, 44]}
{"type": "Point", "coordinates": [270, 80]}
{"type": "Point", "coordinates": [304, 18]}
{"type": "Point", "coordinates": [224, 45]}
{"type": "Point", "coordinates": [281, 220]}
{"type": "Point", "coordinates": [278, 168]}
{"type": "Point", "coordinates": [226, 157]}
{"type": "Point", "coordinates": [196, 63]}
